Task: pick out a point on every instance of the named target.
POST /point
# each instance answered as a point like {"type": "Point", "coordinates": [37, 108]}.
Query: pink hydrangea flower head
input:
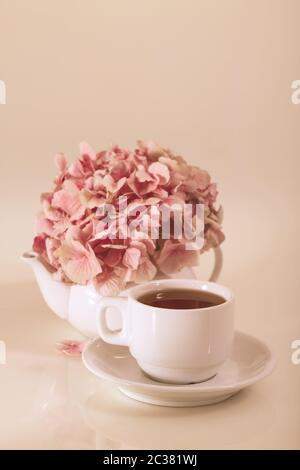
{"type": "Point", "coordinates": [74, 233]}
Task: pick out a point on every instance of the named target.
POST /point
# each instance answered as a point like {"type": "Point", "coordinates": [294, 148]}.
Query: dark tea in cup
{"type": "Point", "coordinates": [181, 299]}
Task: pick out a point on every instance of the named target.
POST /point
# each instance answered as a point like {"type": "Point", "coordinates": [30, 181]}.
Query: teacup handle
{"type": "Point", "coordinates": [119, 337]}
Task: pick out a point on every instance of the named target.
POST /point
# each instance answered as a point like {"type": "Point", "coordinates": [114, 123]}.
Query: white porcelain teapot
{"type": "Point", "coordinates": [80, 304]}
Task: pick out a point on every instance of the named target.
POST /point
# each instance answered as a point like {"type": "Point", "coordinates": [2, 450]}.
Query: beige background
{"type": "Point", "coordinates": [210, 78]}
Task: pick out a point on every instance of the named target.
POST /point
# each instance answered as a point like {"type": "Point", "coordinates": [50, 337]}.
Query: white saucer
{"type": "Point", "coordinates": [250, 361]}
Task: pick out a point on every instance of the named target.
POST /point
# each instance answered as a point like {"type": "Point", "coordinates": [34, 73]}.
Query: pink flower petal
{"type": "Point", "coordinates": [119, 170]}
{"type": "Point", "coordinates": [111, 282]}
{"type": "Point", "coordinates": [69, 203]}
{"type": "Point", "coordinates": [145, 272]}
{"type": "Point", "coordinates": [177, 165]}
{"type": "Point", "coordinates": [112, 257]}
{"type": "Point", "coordinates": [70, 348]}
{"type": "Point", "coordinates": [97, 184]}
{"type": "Point", "coordinates": [213, 238]}
{"type": "Point", "coordinates": [60, 226]}
{"type": "Point", "coordinates": [39, 244]}
{"type": "Point", "coordinates": [141, 188]}
{"type": "Point", "coordinates": [87, 150]}
{"type": "Point", "coordinates": [111, 185]}
{"type": "Point", "coordinates": [78, 263]}
{"type": "Point", "coordinates": [52, 245]}
{"type": "Point", "coordinates": [90, 200]}
{"type": "Point", "coordinates": [99, 226]}
{"type": "Point", "coordinates": [60, 162]}
{"type": "Point", "coordinates": [76, 170]}
{"type": "Point", "coordinates": [213, 191]}
{"type": "Point", "coordinates": [145, 245]}
{"type": "Point", "coordinates": [160, 193]}
{"type": "Point", "coordinates": [44, 225]}
{"type": "Point", "coordinates": [161, 171]}
{"type": "Point", "coordinates": [220, 215]}
{"type": "Point", "coordinates": [174, 256]}
{"type": "Point", "coordinates": [49, 212]}
{"type": "Point", "coordinates": [132, 258]}
{"type": "Point", "coordinates": [151, 148]}
{"type": "Point", "coordinates": [142, 175]}
{"type": "Point", "coordinates": [200, 177]}
{"type": "Point", "coordinates": [70, 186]}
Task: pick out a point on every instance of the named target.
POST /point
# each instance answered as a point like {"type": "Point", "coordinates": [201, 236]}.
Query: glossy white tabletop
{"type": "Point", "coordinates": [49, 401]}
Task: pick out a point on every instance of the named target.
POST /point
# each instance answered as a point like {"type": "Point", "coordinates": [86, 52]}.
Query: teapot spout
{"type": "Point", "coordinates": [56, 294]}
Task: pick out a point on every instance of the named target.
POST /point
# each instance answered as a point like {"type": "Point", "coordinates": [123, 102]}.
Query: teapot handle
{"type": "Point", "coordinates": [218, 264]}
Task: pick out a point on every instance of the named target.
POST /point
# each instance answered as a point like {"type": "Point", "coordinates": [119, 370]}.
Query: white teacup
{"type": "Point", "coordinates": [172, 345]}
